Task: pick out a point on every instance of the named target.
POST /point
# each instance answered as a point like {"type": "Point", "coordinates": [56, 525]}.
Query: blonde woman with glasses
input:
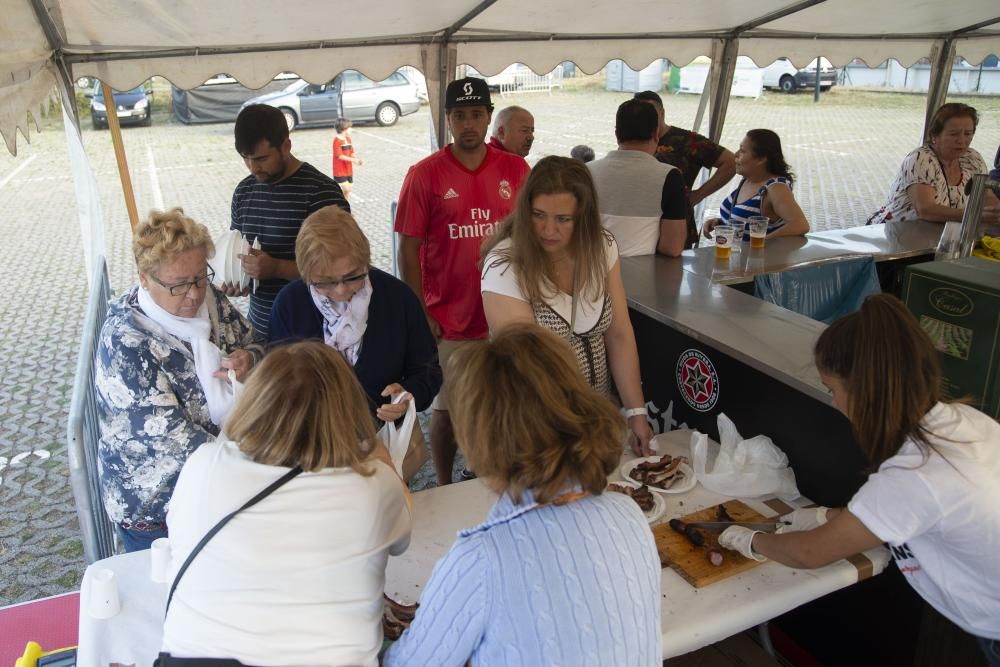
{"type": "Point", "coordinates": [373, 319]}
{"type": "Point", "coordinates": [162, 372]}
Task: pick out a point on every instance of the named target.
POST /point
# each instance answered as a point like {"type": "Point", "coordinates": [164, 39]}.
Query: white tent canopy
{"type": "Point", "coordinates": [124, 42]}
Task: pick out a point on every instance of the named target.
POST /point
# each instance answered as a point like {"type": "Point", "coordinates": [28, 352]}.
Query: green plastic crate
{"type": "Point", "coordinates": [958, 305]}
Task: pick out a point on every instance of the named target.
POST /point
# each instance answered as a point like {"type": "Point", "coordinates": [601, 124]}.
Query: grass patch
{"type": "Point", "coordinates": [15, 590]}
{"type": "Point", "coordinates": [73, 550]}
{"type": "Point", "coordinates": [69, 580]}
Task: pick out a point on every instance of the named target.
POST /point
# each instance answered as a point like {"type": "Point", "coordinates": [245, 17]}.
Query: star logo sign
{"type": "Point", "coordinates": [697, 380]}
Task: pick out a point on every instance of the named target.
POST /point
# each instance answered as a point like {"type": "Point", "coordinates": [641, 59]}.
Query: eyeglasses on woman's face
{"type": "Point", "coordinates": [180, 289]}
{"type": "Point", "coordinates": [347, 281]}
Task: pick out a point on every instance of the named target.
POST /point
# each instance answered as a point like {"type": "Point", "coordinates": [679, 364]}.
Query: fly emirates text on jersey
{"type": "Point", "coordinates": [479, 225]}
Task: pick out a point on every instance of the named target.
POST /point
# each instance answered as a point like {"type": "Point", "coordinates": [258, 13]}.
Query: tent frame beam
{"type": "Point", "coordinates": [73, 53]}
{"type": "Point", "coordinates": [446, 60]}
{"type": "Point", "coordinates": [774, 16]}
{"type": "Point", "coordinates": [64, 70]}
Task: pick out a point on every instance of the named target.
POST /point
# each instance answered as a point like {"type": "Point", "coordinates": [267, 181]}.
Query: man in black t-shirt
{"type": "Point", "coordinates": [690, 152]}
{"type": "Point", "coordinates": [271, 203]}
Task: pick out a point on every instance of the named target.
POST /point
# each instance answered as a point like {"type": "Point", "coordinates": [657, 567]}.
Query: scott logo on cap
{"type": "Point", "coordinates": [467, 92]}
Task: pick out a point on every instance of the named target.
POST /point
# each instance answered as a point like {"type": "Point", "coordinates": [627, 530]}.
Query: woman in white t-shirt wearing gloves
{"type": "Point", "coordinates": [552, 262]}
{"type": "Point", "coordinates": [935, 494]}
{"type": "Point", "coordinates": [297, 578]}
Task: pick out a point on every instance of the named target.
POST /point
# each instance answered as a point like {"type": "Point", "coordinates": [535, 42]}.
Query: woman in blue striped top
{"type": "Point", "coordinates": [765, 189]}
{"type": "Point", "coordinates": [560, 573]}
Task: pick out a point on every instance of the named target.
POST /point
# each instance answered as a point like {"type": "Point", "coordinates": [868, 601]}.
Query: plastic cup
{"type": "Point", "coordinates": [950, 243]}
{"type": "Point", "coordinates": [724, 235]}
{"type": "Point", "coordinates": [103, 599]}
{"type": "Point", "coordinates": [159, 557]}
{"type": "Point", "coordinates": [758, 231]}
{"type": "Point", "coordinates": [740, 228]}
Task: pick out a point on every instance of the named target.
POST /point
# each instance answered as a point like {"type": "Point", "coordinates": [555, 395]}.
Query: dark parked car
{"type": "Point", "coordinates": [350, 95]}
{"type": "Point", "coordinates": [134, 107]}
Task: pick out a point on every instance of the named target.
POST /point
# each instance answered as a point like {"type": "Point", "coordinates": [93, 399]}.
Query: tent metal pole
{"type": "Point", "coordinates": [724, 54]}
{"type": "Point", "coordinates": [448, 60]}
{"type": "Point", "coordinates": [446, 74]}
{"type": "Point", "coordinates": [439, 70]}
{"type": "Point", "coordinates": [116, 139]}
{"type": "Point", "coordinates": [706, 93]}
{"type": "Point", "coordinates": [942, 57]}
{"type": "Point", "coordinates": [816, 87]}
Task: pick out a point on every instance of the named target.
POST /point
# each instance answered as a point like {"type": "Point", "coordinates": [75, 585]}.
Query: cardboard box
{"type": "Point", "coordinates": [958, 304]}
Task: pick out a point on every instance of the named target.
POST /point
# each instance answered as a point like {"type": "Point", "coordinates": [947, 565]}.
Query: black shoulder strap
{"type": "Point", "coordinates": [226, 519]}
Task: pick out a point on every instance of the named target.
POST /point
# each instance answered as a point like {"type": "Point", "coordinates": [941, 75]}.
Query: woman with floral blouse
{"type": "Point", "coordinates": [162, 370]}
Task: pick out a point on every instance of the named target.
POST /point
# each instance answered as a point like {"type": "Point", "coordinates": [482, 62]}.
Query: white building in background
{"type": "Point", "coordinates": [748, 79]}
{"type": "Point", "coordinates": [966, 78]}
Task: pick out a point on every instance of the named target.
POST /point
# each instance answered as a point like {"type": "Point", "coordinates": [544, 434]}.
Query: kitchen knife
{"type": "Point", "coordinates": [767, 527]}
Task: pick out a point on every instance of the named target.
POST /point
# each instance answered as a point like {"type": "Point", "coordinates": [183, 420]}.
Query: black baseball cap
{"type": "Point", "coordinates": [468, 92]}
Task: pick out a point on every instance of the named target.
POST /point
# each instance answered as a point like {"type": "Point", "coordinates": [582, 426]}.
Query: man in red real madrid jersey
{"type": "Point", "coordinates": [451, 201]}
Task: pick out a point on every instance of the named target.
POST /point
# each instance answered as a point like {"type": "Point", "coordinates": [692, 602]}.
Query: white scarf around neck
{"type": "Point", "coordinates": [207, 357]}
{"type": "Point", "coordinates": [344, 322]}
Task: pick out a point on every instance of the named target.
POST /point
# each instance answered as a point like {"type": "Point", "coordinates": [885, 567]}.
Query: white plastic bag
{"type": "Point", "coordinates": [397, 440]}
{"type": "Point", "coordinates": [742, 468]}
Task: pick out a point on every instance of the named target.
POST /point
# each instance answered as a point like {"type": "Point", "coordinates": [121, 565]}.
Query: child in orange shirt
{"type": "Point", "coordinates": [343, 157]}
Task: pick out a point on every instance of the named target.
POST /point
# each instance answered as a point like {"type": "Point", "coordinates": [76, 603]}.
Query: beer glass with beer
{"type": "Point", "coordinates": [758, 230]}
{"type": "Point", "coordinates": [724, 235]}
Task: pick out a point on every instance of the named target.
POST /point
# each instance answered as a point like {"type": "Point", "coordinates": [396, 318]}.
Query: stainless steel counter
{"type": "Point", "coordinates": [771, 339]}
{"type": "Point", "coordinates": [689, 295]}
{"type": "Point", "coordinates": [885, 242]}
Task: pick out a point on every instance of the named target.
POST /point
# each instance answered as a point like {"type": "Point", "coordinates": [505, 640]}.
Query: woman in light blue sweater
{"type": "Point", "coordinates": [560, 573]}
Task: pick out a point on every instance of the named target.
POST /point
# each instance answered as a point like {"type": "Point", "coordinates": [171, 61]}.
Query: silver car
{"type": "Point", "coordinates": [349, 95]}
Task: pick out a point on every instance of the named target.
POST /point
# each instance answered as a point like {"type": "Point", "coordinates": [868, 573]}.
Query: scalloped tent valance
{"type": "Point", "coordinates": [124, 42]}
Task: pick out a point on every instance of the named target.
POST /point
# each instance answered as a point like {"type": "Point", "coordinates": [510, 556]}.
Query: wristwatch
{"type": "Point", "coordinates": [635, 412]}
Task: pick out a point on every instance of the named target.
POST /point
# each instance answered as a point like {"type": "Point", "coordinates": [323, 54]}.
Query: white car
{"type": "Point", "coordinates": [784, 75]}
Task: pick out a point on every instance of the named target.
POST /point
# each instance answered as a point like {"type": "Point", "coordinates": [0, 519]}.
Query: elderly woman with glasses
{"type": "Point", "coordinates": [373, 319]}
{"type": "Point", "coordinates": [163, 369]}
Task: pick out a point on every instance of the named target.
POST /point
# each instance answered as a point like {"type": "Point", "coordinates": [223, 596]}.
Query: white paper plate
{"type": "Point", "coordinates": [659, 504]}
{"type": "Point", "coordinates": [246, 279]}
{"type": "Point", "coordinates": [683, 486]}
{"type": "Point", "coordinates": [220, 262]}
{"type": "Point", "coordinates": [235, 265]}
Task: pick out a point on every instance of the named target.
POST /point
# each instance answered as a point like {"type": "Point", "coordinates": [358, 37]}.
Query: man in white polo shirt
{"type": "Point", "coordinates": [642, 200]}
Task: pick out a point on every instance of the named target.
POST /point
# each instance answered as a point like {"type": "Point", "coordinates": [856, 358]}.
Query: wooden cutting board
{"type": "Point", "coordinates": [691, 562]}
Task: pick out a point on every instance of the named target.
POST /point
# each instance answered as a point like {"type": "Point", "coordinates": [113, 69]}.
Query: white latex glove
{"type": "Point", "coordinates": [803, 519]}
{"type": "Point", "coordinates": [740, 539]}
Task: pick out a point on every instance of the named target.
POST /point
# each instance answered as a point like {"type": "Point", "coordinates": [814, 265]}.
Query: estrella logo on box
{"type": "Point", "coordinates": [950, 301]}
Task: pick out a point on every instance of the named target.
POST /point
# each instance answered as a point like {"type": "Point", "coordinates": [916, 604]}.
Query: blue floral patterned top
{"type": "Point", "coordinates": [151, 405]}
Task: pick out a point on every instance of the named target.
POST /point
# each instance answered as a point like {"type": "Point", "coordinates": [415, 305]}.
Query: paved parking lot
{"type": "Point", "coordinates": [844, 151]}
